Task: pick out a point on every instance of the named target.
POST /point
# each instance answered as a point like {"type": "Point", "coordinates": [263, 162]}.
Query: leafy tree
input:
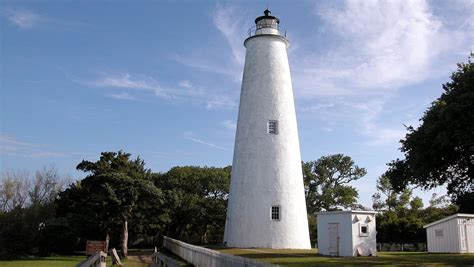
{"type": "Point", "coordinates": [441, 150]}
{"type": "Point", "coordinates": [401, 217]}
{"type": "Point", "coordinates": [196, 201]}
{"type": "Point", "coordinates": [387, 198]}
{"type": "Point", "coordinates": [118, 192]}
{"type": "Point", "coordinates": [27, 209]}
{"type": "Point", "coordinates": [326, 181]}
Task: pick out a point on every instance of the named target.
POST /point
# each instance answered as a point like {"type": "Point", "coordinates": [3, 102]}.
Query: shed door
{"type": "Point", "coordinates": [463, 230]}
{"type": "Point", "coordinates": [334, 239]}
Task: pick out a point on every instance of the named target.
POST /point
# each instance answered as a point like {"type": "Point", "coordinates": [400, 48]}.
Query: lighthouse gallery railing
{"type": "Point", "coordinates": [254, 29]}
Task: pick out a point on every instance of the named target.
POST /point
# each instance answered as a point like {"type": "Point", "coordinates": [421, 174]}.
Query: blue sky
{"type": "Point", "coordinates": [161, 79]}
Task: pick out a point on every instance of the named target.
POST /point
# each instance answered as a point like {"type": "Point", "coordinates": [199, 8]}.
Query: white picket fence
{"type": "Point", "coordinates": [203, 257]}
{"type": "Point", "coordinates": [160, 260]}
{"type": "Point", "coordinates": [96, 260]}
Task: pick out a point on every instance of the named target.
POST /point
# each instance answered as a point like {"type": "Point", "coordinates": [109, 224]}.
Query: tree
{"type": "Point", "coordinates": [46, 186]}
{"type": "Point", "coordinates": [441, 150]}
{"type": "Point", "coordinates": [27, 210]}
{"type": "Point", "coordinates": [401, 216]}
{"type": "Point", "coordinates": [196, 201]}
{"type": "Point", "coordinates": [326, 183]}
{"type": "Point", "coordinates": [118, 192]}
{"type": "Point", "coordinates": [14, 189]}
{"type": "Point", "coordinates": [387, 198]}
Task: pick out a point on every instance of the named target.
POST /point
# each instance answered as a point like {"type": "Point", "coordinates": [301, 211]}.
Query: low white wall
{"type": "Point", "coordinates": [96, 260]}
{"type": "Point", "coordinates": [199, 256]}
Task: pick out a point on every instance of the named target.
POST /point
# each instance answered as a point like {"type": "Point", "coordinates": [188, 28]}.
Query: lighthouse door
{"type": "Point", "coordinates": [333, 239]}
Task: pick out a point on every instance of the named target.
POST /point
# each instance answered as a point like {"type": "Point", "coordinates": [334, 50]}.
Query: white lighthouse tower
{"type": "Point", "coordinates": [267, 204]}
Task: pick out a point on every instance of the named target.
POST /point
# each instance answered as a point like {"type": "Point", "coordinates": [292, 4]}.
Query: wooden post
{"type": "Point", "coordinates": [125, 239]}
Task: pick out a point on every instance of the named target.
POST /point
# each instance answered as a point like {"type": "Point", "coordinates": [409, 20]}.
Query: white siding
{"type": "Point", "coordinates": [447, 235]}
{"type": "Point", "coordinates": [470, 238]}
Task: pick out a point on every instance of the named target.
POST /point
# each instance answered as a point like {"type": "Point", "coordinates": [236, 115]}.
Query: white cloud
{"type": "Point", "coordinates": [47, 154]}
{"type": "Point", "coordinates": [125, 80]}
{"type": "Point", "coordinates": [233, 25]}
{"type": "Point", "coordinates": [229, 124]}
{"type": "Point", "coordinates": [318, 107]}
{"type": "Point", "coordinates": [192, 137]}
{"type": "Point", "coordinates": [364, 115]}
{"type": "Point", "coordinates": [12, 146]}
{"type": "Point", "coordinates": [22, 18]}
{"type": "Point", "coordinates": [230, 24]}
{"type": "Point", "coordinates": [12, 141]}
{"type": "Point", "coordinates": [368, 124]}
{"type": "Point", "coordinates": [208, 65]}
{"type": "Point", "coordinates": [221, 102]}
{"type": "Point", "coordinates": [136, 85]}
{"type": "Point", "coordinates": [377, 48]}
{"type": "Point", "coordinates": [186, 84]}
{"type": "Point", "coordinates": [123, 96]}
{"type": "Point", "coordinates": [381, 46]}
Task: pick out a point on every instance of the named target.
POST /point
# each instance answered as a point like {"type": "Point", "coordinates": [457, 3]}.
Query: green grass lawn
{"type": "Point", "coordinates": [61, 261]}
{"type": "Point", "coordinates": [295, 258]}
{"type": "Point", "coordinates": [310, 258]}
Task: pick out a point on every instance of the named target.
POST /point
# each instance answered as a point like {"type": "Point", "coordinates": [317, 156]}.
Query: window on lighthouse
{"type": "Point", "coordinates": [273, 127]}
{"type": "Point", "coordinates": [275, 213]}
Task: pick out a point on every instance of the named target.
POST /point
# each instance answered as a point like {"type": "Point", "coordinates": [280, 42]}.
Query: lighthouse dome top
{"type": "Point", "coordinates": [267, 25]}
{"type": "Point", "coordinates": [267, 18]}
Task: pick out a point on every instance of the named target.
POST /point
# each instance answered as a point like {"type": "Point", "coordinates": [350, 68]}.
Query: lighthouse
{"type": "Point", "coordinates": [266, 207]}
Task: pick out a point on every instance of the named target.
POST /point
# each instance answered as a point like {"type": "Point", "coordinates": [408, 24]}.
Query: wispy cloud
{"type": "Point", "coordinates": [209, 65]}
{"type": "Point", "coordinates": [364, 115]}
{"type": "Point", "coordinates": [125, 81]}
{"type": "Point", "coordinates": [232, 24]}
{"type": "Point", "coordinates": [12, 146]}
{"type": "Point", "coordinates": [23, 18]}
{"type": "Point", "coordinates": [12, 141]}
{"type": "Point", "coordinates": [369, 126]}
{"type": "Point", "coordinates": [229, 23]}
{"type": "Point", "coordinates": [192, 137]}
{"type": "Point", "coordinates": [47, 154]}
{"type": "Point", "coordinates": [221, 102]}
{"type": "Point", "coordinates": [186, 84]}
{"type": "Point", "coordinates": [123, 96]}
{"type": "Point", "coordinates": [135, 87]}
{"type": "Point", "coordinates": [229, 124]}
{"type": "Point", "coordinates": [381, 46]}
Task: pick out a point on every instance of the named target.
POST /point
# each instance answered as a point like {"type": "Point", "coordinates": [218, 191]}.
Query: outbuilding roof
{"type": "Point", "coordinates": [347, 211]}
{"type": "Point", "coordinates": [462, 215]}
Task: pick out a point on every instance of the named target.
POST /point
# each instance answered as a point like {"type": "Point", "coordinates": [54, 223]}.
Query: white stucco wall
{"type": "Point", "coordinates": [266, 168]}
{"type": "Point", "coordinates": [348, 232]}
{"type": "Point", "coordinates": [367, 244]}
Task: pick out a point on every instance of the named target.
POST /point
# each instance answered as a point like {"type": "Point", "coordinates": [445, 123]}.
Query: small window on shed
{"type": "Point", "coordinates": [275, 213]}
{"type": "Point", "coordinates": [364, 229]}
{"type": "Point", "coordinates": [438, 232]}
{"type": "Point", "coordinates": [273, 127]}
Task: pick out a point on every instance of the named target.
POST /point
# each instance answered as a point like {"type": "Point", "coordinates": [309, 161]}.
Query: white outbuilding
{"type": "Point", "coordinates": [453, 234]}
{"type": "Point", "coordinates": [347, 233]}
